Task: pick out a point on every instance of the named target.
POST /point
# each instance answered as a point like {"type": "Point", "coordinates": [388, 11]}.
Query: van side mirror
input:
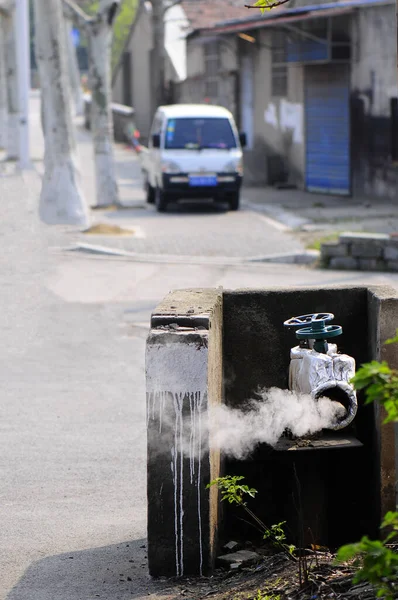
{"type": "Point", "coordinates": [156, 140]}
{"type": "Point", "coordinates": [243, 140]}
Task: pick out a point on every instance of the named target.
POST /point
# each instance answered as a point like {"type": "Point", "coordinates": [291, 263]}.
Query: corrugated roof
{"type": "Point", "coordinates": [244, 26]}
{"type": "Point", "coordinates": [254, 21]}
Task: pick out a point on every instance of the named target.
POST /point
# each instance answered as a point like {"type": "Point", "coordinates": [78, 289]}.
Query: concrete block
{"type": "Point", "coordinates": [391, 252]}
{"type": "Point", "coordinates": [184, 379]}
{"type": "Point", "coordinates": [343, 262]}
{"type": "Point", "coordinates": [370, 249]}
{"type": "Point", "coordinates": [371, 264]}
{"type": "Point", "coordinates": [332, 250]}
{"type": "Point", "coordinates": [355, 237]}
{"type": "Point", "coordinates": [243, 558]}
{"type": "Point", "coordinates": [254, 354]}
{"type": "Point", "coordinates": [231, 547]}
{"type": "Point", "coordinates": [392, 265]}
{"type": "Point", "coordinates": [383, 322]}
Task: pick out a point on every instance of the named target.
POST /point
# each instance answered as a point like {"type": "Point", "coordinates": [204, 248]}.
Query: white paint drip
{"type": "Point", "coordinates": [186, 444]}
{"type": "Point", "coordinates": [176, 415]}
{"type": "Point", "coordinates": [181, 487]}
{"type": "Point", "coordinates": [199, 454]}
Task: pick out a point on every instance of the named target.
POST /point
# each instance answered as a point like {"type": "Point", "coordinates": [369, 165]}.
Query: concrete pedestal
{"type": "Point", "coordinates": [205, 345]}
{"type": "Point", "coordinates": [184, 378]}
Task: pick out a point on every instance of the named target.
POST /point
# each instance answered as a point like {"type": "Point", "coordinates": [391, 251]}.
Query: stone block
{"type": "Point", "coordinates": [383, 322]}
{"type": "Point", "coordinates": [371, 264]}
{"type": "Point", "coordinates": [343, 262]}
{"type": "Point", "coordinates": [355, 237]}
{"type": "Point", "coordinates": [392, 265]}
{"type": "Point", "coordinates": [332, 250]}
{"type": "Point", "coordinates": [391, 252]}
{"type": "Point", "coordinates": [243, 558]}
{"type": "Point", "coordinates": [184, 380]}
{"type": "Point", "coordinates": [231, 547]}
{"type": "Point", "coordinates": [370, 249]}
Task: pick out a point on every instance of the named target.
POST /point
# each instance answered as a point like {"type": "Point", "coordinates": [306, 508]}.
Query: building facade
{"type": "Point", "coordinates": [314, 88]}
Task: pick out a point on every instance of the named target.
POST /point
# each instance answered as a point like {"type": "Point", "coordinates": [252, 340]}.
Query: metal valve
{"type": "Point", "coordinates": [317, 330]}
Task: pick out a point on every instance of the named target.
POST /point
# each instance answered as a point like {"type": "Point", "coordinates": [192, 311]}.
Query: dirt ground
{"type": "Point", "coordinates": [277, 578]}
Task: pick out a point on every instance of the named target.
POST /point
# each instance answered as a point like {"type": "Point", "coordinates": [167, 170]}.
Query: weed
{"type": "Point", "coordinates": [234, 492]}
{"type": "Point", "coordinates": [261, 596]}
{"type": "Point", "coordinates": [325, 239]}
{"type": "Point", "coordinates": [377, 560]}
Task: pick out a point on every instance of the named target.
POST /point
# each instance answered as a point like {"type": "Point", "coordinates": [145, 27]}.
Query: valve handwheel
{"type": "Point", "coordinates": [308, 319]}
{"type": "Point", "coordinates": [316, 329]}
{"type": "Point", "coordinates": [321, 332]}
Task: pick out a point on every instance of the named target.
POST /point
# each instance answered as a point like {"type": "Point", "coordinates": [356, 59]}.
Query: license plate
{"type": "Point", "coordinates": [203, 180]}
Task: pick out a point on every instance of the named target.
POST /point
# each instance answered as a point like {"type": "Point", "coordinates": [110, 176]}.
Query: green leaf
{"type": "Point", "coordinates": [393, 340]}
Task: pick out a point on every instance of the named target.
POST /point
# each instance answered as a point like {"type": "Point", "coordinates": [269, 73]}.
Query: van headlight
{"type": "Point", "coordinates": [170, 167]}
{"type": "Point", "coordinates": [234, 166]}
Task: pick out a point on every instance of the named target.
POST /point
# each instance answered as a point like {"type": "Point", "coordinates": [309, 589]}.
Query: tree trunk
{"type": "Point", "coordinates": [74, 73]}
{"type": "Point", "coordinates": [12, 88]}
{"type": "Point", "coordinates": [100, 41]}
{"type": "Point", "coordinates": [61, 199]}
{"type": "Point", "coordinates": [3, 86]}
{"type": "Point", "coordinates": [158, 54]}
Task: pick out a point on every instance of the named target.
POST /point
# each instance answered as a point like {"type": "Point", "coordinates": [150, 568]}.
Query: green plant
{"type": "Point", "coordinates": [377, 560]}
{"type": "Point", "coordinates": [261, 596]}
{"type": "Point", "coordinates": [316, 243]}
{"type": "Point", "coordinates": [121, 27]}
{"type": "Point", "coordinates": [380, 384]}
{"type": "Point", "coordinates": [234, 492]}
{"type": "Point", "coordinates": [266, 4]}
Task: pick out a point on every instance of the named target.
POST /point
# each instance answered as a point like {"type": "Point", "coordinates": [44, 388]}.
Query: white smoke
{"type": "Point", "coordinates": [237, 432]}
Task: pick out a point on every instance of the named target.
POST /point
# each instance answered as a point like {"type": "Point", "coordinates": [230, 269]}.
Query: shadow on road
{"type": "Point", "coordinates": [117, 572]}
{"type": "Point", "coordinates": [187, 208]}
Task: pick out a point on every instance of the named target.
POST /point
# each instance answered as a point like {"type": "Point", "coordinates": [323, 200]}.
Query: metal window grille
{"type": "Point", "coordinates": [279, 81]}
{"type": "Point", "coordinates": [212, 67]}
{"type": "Point", "coordinates": [279, 69]}
{"type": "Point", "coordinates": [394, 129]}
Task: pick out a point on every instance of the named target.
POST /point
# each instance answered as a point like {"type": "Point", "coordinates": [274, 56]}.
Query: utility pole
{"type": "Point", "coordinates": [22, 42]}
{"type": "Point", "coordinates": [158, 54]}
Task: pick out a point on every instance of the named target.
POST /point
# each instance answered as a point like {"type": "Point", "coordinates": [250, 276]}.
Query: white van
{"type": "Point", "coordinates": [194, 151]}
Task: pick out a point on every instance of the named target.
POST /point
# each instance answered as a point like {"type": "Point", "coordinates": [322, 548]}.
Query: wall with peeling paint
{"type": "Point", "coordinates": [139, 46]}
{"type": "Point", "coordinates": [278, 122]}
{"type": "Point", "coordinates": [373, 84]}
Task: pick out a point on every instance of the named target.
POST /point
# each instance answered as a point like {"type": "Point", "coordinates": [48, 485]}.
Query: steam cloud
{"type": "Point", "coordinates": [237, 432]}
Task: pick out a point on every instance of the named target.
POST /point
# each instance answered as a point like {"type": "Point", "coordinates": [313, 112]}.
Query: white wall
{"type": "Point", "coordinates": [374, 63]}
{"type": "Point", "coordinates": [278, 122]}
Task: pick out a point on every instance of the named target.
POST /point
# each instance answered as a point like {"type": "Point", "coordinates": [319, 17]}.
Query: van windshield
{"type": "Point", "coordinates": [194, 134]}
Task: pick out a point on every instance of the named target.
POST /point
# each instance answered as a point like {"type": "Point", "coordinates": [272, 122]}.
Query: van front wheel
{"type": "Point", "coordinates": [160, 200]}
{"type": "Point", "coordinates": [234, 201]}
{"type": "Point", "coordinates": [150, 193]}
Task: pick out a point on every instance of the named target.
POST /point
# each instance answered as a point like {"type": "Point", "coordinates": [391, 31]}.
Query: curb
{"type": "Point", "coordinates": [278, 217]}
{"type": "Point", "coordinates": [306, 257]}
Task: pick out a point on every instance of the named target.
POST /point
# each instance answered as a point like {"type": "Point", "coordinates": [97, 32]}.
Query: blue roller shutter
{"type": "Point", "coordinates": [327, 120]}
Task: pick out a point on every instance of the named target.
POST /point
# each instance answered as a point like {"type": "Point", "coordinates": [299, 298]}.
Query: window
{"type": "Point", "coordinates": [156, 127]}
{"type": "Point", "coordinates": [279, 69]}
{"type": "Point", "coordinates": [194, 134]}
{"type": "Point", "coordinates": [279, 81]}
{"type": "Point", "coordinates": [212, 67]}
